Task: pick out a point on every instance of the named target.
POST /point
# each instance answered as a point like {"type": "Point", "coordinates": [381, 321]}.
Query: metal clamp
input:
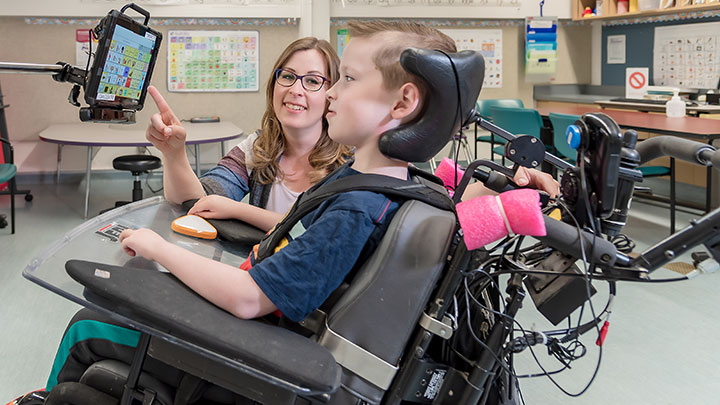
{"type": "Point", "coordinates": [443, 329]}
{"type": "Point", "coordinates": [358, 360]}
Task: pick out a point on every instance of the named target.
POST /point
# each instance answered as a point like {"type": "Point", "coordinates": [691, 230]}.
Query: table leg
{"type": "Point", "coordinates": [59, 159]}
{"type": "Point", "coordinates": [222, 149]}
{"type": "Point", "coordinates": [87, 181]}
{"type": "Point", "coordinates": [197, 159]}
{"type": "Point", "coordinates": [708, 186]}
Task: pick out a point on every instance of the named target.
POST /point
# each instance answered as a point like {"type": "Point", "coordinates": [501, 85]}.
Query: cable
{"type": "Point", "coordinates": [87, 66]}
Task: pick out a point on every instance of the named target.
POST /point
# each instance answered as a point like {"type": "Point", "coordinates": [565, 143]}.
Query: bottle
{"type": "Point", "coordinates": [675, 107]}
{"type": "Point", "coordinates": [622, 6]}
{"type": "Point", "coordinates": [633, 6]}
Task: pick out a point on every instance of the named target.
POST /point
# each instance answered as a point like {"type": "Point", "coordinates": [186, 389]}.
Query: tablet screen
{"type": "Point", "coordinates": [126, 65]}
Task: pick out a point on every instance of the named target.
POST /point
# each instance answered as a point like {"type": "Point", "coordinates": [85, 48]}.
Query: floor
{"type": "Point", "coordinates": [660, 348]}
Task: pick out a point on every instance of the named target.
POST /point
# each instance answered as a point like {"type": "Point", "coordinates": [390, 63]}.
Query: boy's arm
{"type": "Point", "coordinates": [219, 207]}
{"type": "Point", "coordinates": [225, 286]}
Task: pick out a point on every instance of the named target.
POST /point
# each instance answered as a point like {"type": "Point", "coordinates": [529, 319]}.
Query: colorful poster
{"type": "Point", "coordinates": [343, 36]}
{"type": "Point", "coordinates": [217, 61]}
{"type": "Point", "coordinates": [488, 42]}
{"type": "Point", "coordinates": [685, 56]}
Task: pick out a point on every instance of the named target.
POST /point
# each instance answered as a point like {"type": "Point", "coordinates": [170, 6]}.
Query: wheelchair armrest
{"type": "Point", "coordinates": [161, 301]}
{"type": "Point", "coordinates": [232, 230]}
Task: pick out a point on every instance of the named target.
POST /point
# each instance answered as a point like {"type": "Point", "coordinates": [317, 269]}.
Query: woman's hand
{"type": "Point", "coordinates": [143, 242]}
{"type": "Point", "coordinates": [536, 179]}
{"type": "Point", "coordinates": [216, 207]}
{"type": "Point", "coordinates": [165, 131]}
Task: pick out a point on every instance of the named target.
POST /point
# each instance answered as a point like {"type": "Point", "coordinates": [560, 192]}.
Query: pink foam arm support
{"type": "Point", "coordinates": [482, 221]}
{"type": "Point", "coordinates": [446, 172]}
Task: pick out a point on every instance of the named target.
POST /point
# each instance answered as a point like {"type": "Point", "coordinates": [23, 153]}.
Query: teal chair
{"type": "Point", "coordinates": [560, 122]}
{"type": "Point", "coordinates": [517, 121]}
{"type": "Point", "coordinates": [7, 175]}
{"type": "Point", "coordinates": [482, 107]}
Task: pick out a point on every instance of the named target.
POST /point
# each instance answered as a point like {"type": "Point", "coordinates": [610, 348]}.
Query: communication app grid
{"type": "Point", "coordinates": [126, 65]}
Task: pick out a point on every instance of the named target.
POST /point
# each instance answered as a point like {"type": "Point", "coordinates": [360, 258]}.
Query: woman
{"type": "Point", "coordinates": [289, 153]}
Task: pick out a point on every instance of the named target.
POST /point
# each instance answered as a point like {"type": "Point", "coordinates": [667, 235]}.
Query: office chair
{"type": "Point", "coordinates": [517, 121]}
{"type": "Point", "coordinates": [483, 107]}
{"type": "Point", "coordinates": [7, 174]}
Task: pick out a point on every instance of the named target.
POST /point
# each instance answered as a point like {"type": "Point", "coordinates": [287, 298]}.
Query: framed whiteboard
{"type": "Point", "coordinates": [213, 61]}
{"type": "Point", "coordinates": [686, 55]}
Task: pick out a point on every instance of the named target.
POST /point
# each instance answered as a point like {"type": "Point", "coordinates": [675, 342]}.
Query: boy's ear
{"type": "Point", "coordinates": [407, 105]}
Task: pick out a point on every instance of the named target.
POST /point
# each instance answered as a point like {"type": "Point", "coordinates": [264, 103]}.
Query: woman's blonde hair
{"type": "Point", "coordinates": [327, 154]}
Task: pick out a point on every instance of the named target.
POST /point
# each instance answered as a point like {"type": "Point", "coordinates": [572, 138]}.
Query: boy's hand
{"type": "Point", "coordinates": [143, 242]}
{"type": "Point", "coordinates": [165, 131]}
{"type": "Point", "coordinates": [525, 177]}
{"type": "Point", "coordinates": [216, 207]}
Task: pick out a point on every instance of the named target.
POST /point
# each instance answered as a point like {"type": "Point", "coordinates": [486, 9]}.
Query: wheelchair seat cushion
{"type": "Point", "coordinates": [161, 300]}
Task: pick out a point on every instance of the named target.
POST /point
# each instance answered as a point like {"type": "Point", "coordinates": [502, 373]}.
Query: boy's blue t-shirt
{"type": "Point", "coordinates": [323, 247]}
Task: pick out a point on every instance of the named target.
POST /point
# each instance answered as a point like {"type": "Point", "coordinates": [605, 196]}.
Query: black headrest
{"type": "Point", "coordinates": [423, 138]}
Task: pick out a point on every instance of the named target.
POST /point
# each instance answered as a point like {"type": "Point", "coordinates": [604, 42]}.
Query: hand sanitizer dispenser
{"type": "Point", "coordinates": [675, 107]}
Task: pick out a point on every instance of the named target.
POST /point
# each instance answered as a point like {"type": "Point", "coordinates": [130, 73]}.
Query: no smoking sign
{"type": "Point", "coordinates": [636, 81]}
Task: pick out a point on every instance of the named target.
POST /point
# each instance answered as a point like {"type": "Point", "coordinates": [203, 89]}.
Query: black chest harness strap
{"type": "Point", "coordinates": [391, 187]}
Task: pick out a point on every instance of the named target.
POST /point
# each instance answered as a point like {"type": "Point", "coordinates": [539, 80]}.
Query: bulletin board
{"type": "Point", "coordinates": [639, 48]}
{"type": "Point", "coordinates": [213, 61]}
{"type": "Point", "coordinates": [686, 55]}
{"type": "Point", "coordinates": [488, 42]}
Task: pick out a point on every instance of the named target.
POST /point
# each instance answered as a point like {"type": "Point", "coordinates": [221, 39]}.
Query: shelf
{"type": "Point", "coordinates": [579, 5]}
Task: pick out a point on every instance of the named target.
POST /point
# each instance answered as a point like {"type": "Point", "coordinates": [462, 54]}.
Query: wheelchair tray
{"type": "Point", "coordinates": [273, 350]}
{"type": "Point", "coordinates": [161, 300]}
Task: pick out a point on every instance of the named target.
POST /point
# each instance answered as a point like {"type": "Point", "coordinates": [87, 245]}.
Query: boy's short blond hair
{"type": "Point", "coordinates": [398, 37]}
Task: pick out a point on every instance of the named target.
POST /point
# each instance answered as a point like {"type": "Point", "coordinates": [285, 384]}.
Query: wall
{"type": "Point", "coordinates": [638, 48]}
{"type": "Point", "coordinates": [573, 55]}
{"type": "Point", "coordinates": [37, 101]}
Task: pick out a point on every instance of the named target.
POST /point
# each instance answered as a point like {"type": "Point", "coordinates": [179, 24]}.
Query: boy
{"type": "Point", "coordinates": [374, 94]}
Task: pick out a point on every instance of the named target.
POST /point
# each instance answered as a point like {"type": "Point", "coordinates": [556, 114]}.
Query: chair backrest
{"type": "Point", "coordinates": [560, 123]}
{"type": "Point", "coordinates": [368, 328]}
{"type": "Point", "coordinates": [518, 121]}
{"type": "Point", "coordinates": [482, 107]}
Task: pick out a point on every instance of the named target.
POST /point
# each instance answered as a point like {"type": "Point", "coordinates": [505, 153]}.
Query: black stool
{"type": "Point", "coordinates": [136, 164]}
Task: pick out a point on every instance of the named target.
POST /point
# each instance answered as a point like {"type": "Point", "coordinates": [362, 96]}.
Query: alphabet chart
{"type": "Point", "coordinates": [487, 42]}
{"type": "Point", "coordinates": [213, 61]}
{"type": "Point", "coordinates": [686, 55]}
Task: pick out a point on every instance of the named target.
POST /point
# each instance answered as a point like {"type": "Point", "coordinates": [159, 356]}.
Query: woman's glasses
{"type": "Point", "coordinates": [311, 82]}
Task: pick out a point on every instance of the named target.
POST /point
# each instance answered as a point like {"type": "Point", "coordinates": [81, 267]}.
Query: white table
{"type": "Point", "coordinates": [99, 135]}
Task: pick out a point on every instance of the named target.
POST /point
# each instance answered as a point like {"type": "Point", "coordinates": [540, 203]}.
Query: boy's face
{"type": "Point", "coordinates": [360, 105]}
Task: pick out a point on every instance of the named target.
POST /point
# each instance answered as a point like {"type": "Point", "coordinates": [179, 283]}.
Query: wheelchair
{"type": "Point", "coordinates": [398, 331]}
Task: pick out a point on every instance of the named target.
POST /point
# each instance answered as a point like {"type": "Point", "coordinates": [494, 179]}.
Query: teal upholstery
{"type": "Point", "coordinates": [482, 107]}
{"type": "Point", "coordinates": [654, 171]}
{"type": "Point", "coordinates": [518, 121]}
{"type": "Point", "coordinates": [7, 174]}
{"type": "Point", "coordinates": [560, 122]}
